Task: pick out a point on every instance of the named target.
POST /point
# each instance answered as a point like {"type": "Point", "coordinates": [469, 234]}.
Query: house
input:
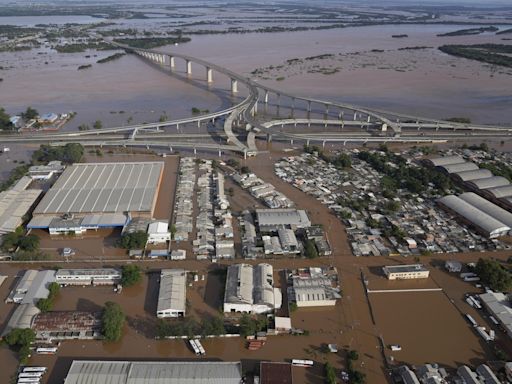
{"type": "Point", "coordinates": [399, 272]}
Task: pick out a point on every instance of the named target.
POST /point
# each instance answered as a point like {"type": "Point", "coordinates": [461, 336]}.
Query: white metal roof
{"type": "Point", "coordinates": [461, 167]}
{"type": "Point", "coordinates": [445, 160]}
{"type": "Point", "coordinates": [126, 372]}
{"type": "Point", "coordinates": [500, 192]}
{"type": "Point", "coordinates": [172, 293]}
{"type": "Point", "coordinates": [489, 182]}
{"type": "Point", "coordinates": [474, 215]}
{"type": "Point", "coordinates": [239, 284]}
{"type": "Point", "coordinates": [490, 208]}
{"type": "Point", "coordinates": [103, 187]}
{"type": "Point", "coordinates": [473, 175]}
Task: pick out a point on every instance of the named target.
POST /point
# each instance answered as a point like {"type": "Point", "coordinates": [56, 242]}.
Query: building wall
{"type": "Point", "coordinates": [408, 275]}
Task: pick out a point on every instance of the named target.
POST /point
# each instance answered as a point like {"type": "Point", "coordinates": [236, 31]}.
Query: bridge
{"type": "Point", "coordinates": [389, 126]}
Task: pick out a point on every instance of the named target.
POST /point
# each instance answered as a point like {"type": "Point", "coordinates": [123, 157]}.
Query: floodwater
{"type": "Point", "coordinates": [30, 21]}
{"type": "Point", "coordinates": [434, 84]}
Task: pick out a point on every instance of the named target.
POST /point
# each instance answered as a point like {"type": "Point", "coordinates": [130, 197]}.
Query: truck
{"type": "Point", "coordinates": [471, 320]}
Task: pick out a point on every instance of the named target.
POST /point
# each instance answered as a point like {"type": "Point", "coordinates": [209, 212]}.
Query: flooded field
{"type": "Point", "coordinates": [428, 328]}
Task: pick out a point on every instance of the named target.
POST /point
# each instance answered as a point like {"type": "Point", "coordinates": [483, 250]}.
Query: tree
{"type": "Point", "coordinates": [494, 275]}
{"type": "Point", "coordinates": [172, 230]}
{"type": "Point", "coordinates": [245, 169]}
{"type": "Point", "coordinates": [162, 118]}
{"type": "Point", "coordinates": [30, 113]}
{"type": "Point", "coordinates": [131, 275]}
{"type": "Point", "coordinates": [134, 240]}
{"type": "Point", "coordinates": [112, 321]}
{"type": "Point", "coordinates": [353, 355]}
{"type": "Point", "coordinates": [44, 305]}
{"type": "Point", "coordinates": [195, 110]}
{"type": "Point", "coordinates": [5, 122]}
{"type": "Point", "coordinates": [29, 243]}
{"type": "Point", "coordinates": [330, 374]}
{"type": "Point", "coordinates": [97, 124]}
{"type": "Point", "coordinates": [83, 127]}
{"type": "Point", "coordinates": [20, 340]}
{"type": "Point", "coordinates": [69, 153]}
{"type": "Point", "coordinates": [310, 250]}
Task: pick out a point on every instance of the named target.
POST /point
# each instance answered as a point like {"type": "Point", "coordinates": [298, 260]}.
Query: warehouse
{"type": "Point", "coordinates": [482, 222]}
{"type": "Point", "coordinates": [456, 168]}
{"type": "Point", "coordinates": [67, 325]}
{"type": "Point", "coordinates": [270, 220]}
{"type": "Point", "coordinates": [499, 192]}
{"type": "Point", "coordinates": [445, 160]}
{"type": "Point", "coordinates": [250, 289]}
{"type": "Point", "coordinates": [313, 288]}
{"type": "Point", "coordinates": [486, 206]}
{"type": "Point", "coordinates": [489, 182]}
{"type": "Point", "coordinates": [141, 372]}
{"type": "Point", "coordinates": [98, 276]}
{"type": "Point", "coordinates": [402, 272]}
{"type": "Point", "coordinates": [22, 318]}
{"type": "Point", "coordinates": [472, 175]}
{"type": "Point", "coordinates": [15, 203]}
{"type": "Point", "coordinates": [499, 307]}
{"type": "Point", "coordinates": [172, 294]}
{"type": "Point", "coordinates": [32, 287]}
{"type": "Point", "coordinates": [96, 195]}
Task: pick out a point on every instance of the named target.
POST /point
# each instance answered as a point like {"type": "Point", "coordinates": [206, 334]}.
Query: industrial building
{"type": "Point", "coordinates": [461, 167]}
{"type": "Point", "coordinates": [499, 307]}
{"type": "Point", "coordinates": [45, 172]}
{"type": "Point", "coordinates": [483, 223]}
{"type": "Point", "coordinates": [141, 372]}
{"type": "Point", "coordinates": [97, 276]}
{"type": "Point", "coordinates": [67, 325]}
{"type": "Point", "coordinates": [22, 318]}
{"type": "Point", "coordinates": [158, 233]}
{"type": "Point", "coordinates": [499, 192]}
{"type": "Point", "coordinates": [15, 203]}
{"type": "Point", "coordinates": [489, 208]}
{"type": "Point", "coordinates": [250, 289]}
{"type": "Point", "coordinates": [472, 175]}
{"type": "Point", "coordinates": [313, 288]}
{"type": "Point", "coordinates": [402, 272]}
{"type": "Point", "coordinates": [489, 182]}
{"type": "Point", "coordinates": [32, 286]}
{"type": "Point", "coordinates": [273, 372]}
{"type": "Point", "coordinates": [445, 160]}
{"type": "Point", "coordinates": [172, 294]}
{"type": "Point", "coordinates": [99, 195]}
{"type": "Point", "coordinates": [270, 220]}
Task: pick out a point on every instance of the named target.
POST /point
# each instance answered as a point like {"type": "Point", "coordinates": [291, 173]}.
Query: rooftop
{"type": "Point", "coordinates": [143, 372]}
{"type": "Point", "coordinates": [172, 293]}
{"type": "Point", "coordinates": [405, 268]}
{"type": "Point", "coordinates": [104, 188]}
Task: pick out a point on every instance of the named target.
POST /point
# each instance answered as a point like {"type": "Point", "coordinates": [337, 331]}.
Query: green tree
{"type": "Point", "coordinates": [97, 124]}
{"type": "Point", "coordinates": [29, 243]}
{"type": "Point", "coordinates": [172, 230]}
{"type": "Point", "coordinates": [493, 274]}
{"type": "Point", "coordinates": [83, 127]}
{"type": "Point", "coordinates": [30, 113]}
{"type": "Point", "coordinates": [245, 169]}
{"type": "Point", "coordinates": [353, 355]}
{"type": "Point", "coordinates": [112, 321]}
{"type": "Point", "coordinates": [162, 118]}
{"type": "Point", "coordinates": [44, 305]}
{"type": "Point", "coordinates": [131, 275]}
{"type": "Point", "coordinates": [330, 374]}
{"type": "Point", "coordinates": [310, 250]}
{"type": "Point", "coordinates": [134, 240]}
{"type": "Point", "coordinates": [5, 122]}
{"type": "Point", "coordinates": [20, 340]}
{"type": "Point", "coordinates": [195, 110]}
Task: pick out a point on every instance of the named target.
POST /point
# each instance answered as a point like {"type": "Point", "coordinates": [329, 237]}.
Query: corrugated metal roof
{"type": "Point", "coordinates": [500, 192]}
{"type": "Point", "coordinates": [172, 293]}
{"type": "Point", "coordinates": [445, 160]}
{"type": "Point", "coordinates": [474, 215]}
{"type": "Point", "coordinates": [489, 182]}
{"type": "Point", "coordinates": [462, 167]}
{"type": "Point", "coordinates": [103, 187]}
{"type": "Point", "coordinates": [124, 372]}
{"type": "Point", "coordinates": [473, 175]}
{"type": "Point", "coordinates": [490, 208]}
